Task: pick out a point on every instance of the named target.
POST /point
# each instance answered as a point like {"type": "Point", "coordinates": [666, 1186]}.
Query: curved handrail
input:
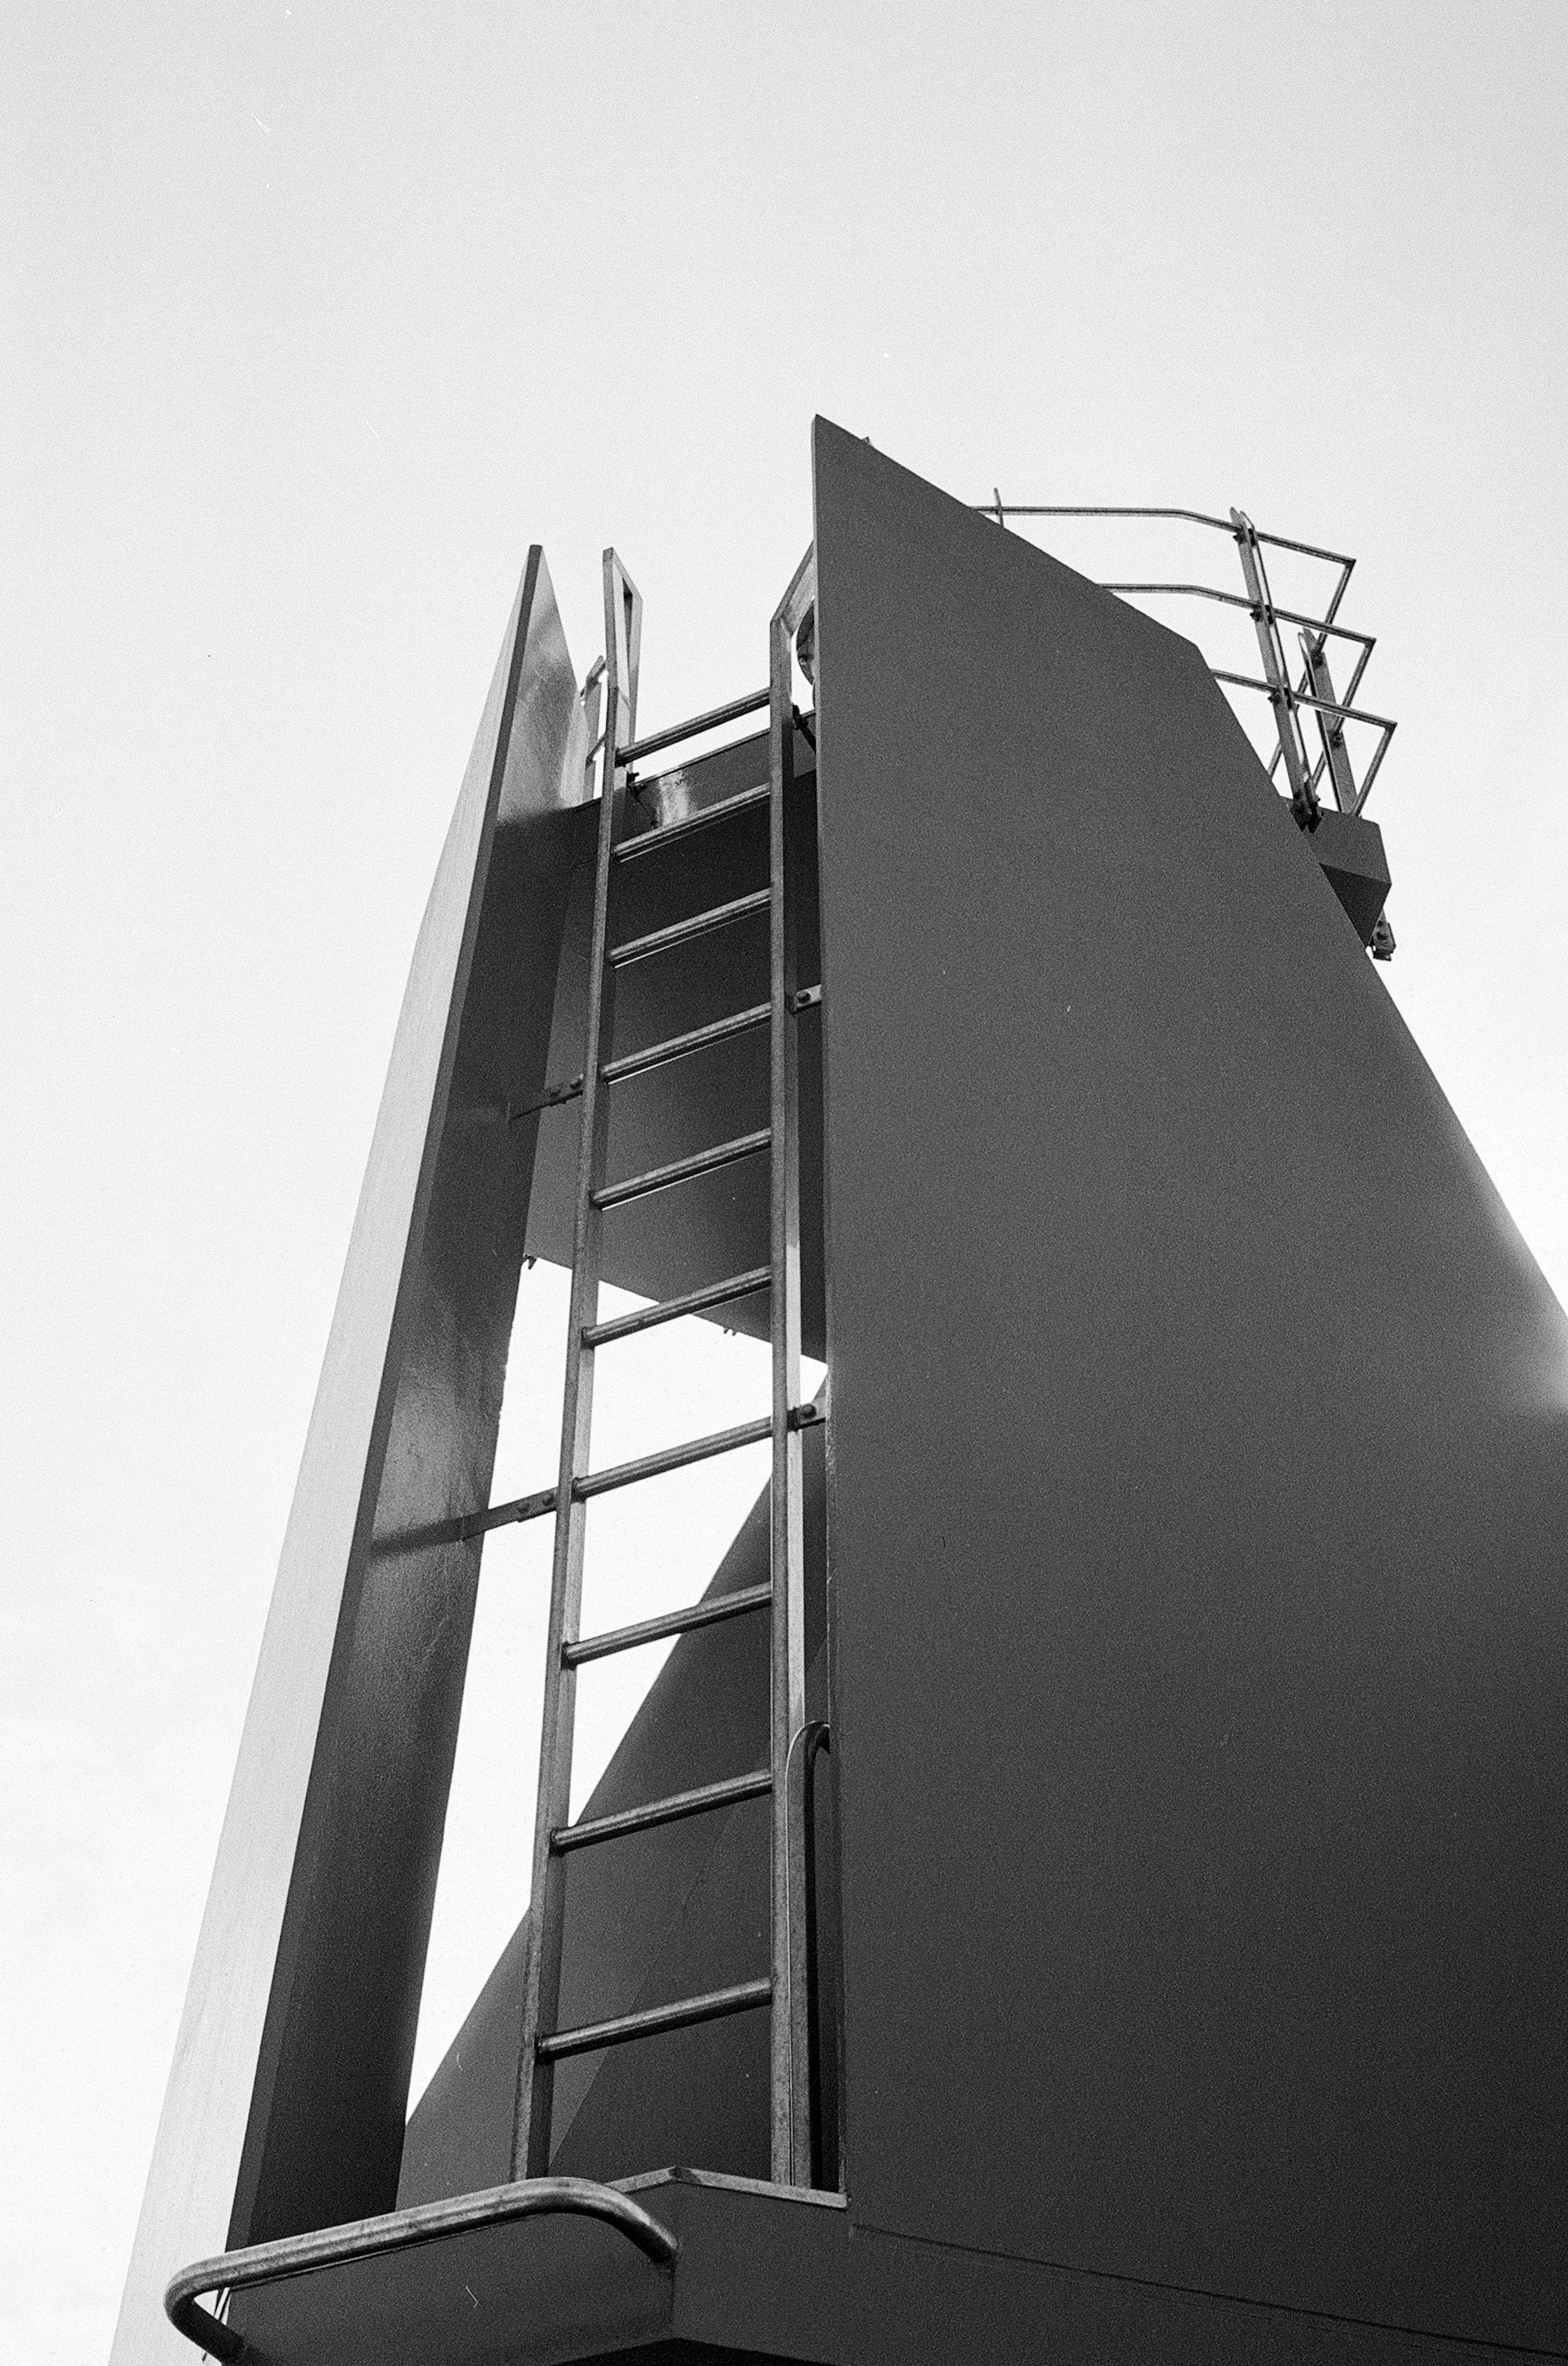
{"type": "Point", "coordinates": [362, 2238]}
{"type": "Point", "coordinates": [1315, 693]}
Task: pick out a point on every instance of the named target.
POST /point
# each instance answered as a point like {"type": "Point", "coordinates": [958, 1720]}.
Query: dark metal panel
{"type": "Point", "coordinates": [1198, 1493]}
{"type": "Point", "coordinates": [905, 2301]}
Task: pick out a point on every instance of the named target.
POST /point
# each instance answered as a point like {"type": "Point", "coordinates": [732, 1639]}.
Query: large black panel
{"type": "Point", "coordinates": [1198, 1482]}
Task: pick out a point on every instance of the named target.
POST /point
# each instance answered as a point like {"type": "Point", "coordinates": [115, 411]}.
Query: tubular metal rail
{"type": "Point", "coordinates": [331, 2247]}
{"type": "Point", "coordinates": [1315, 692]}
{"type": "Point", "coordinates": [783, 1991]}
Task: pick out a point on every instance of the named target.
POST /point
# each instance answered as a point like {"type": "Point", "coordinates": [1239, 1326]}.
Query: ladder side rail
{"type": "Point", "coordinates": [789, 2084]}
{"type": "Point", "coordinates": [535, 2078]}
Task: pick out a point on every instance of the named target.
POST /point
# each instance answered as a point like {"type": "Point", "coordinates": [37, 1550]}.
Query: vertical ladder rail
{"type": "Point", "coordinates": [1303, 796]}
{"type": "Point", "coordinates": [535, 2080]}
{"type": "Point", "coordinates": [790, 2149]}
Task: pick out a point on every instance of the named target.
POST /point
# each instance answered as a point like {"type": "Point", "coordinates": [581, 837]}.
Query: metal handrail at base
{"type": "Point", "coordinates": [363, 2239]}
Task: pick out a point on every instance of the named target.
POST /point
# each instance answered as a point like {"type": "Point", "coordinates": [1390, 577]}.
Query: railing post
{"type": "Point", "coordinates": [1303, 796]}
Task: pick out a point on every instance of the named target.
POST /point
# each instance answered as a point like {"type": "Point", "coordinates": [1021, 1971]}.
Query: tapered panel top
{"type": "Point", "coordinates": [286, 2100]}
{"type": "Point", "coordinates": [1200, 1476]}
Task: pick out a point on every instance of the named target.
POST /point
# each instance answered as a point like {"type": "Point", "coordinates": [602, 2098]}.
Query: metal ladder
{"type": "Point", "coordinates": [783, 1991]}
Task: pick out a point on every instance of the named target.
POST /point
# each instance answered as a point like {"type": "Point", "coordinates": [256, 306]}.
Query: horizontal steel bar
{"type": "Point", "coordinates": [365, 2238]}
{"type": "Point", "coordinates": [501, 1516]}
{"type": "Point", "coordinates": [673, 1811]}
{"type": "Point", "coordinates": [1056, 509]}
{"type": "Point", "coordinates": [681, 1170]}
{"type": "Point", "coordinates": [699, 722]}
{"type": "Point", "coordinates": [676, 1047]}
{"type": "Point", "coordinates": [714, 2006]}
{"type": "Point", "coordinates": [1307, 550]}
{"type": "Point", "coordinates": [654, 842]}
{"type": "Point", "coordinates": [646, 1466]}
{"type": "Point", "coordinates": [1194, 517]}
{"type": "Point", "coordinates": [670, 1309]}
{"type": "Point", "coordinates": [1238, 600]}
{"type": "Point", "coordinates": [672, 1457]}
{"type": "Point", "coordinates": [681, 932]}
{"type": "Point", "coordinates": [1300, 698]}
{"type": "Point", "coordinates": [713, 1611]}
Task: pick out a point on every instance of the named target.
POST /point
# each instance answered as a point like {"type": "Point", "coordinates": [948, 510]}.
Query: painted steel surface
{"type": "Point", "coordinates": [1198, 1505]}
{"type": "Point", "coordinates": [764, 2273]}
{"type": "Point", "coordinates": [285, 2101]}
{"type": "Point", "coordinates": [1195, 1503]}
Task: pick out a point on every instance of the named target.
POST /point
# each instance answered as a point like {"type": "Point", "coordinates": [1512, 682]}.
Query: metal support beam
{"type": "Point", "coordinates": [791, 2139]}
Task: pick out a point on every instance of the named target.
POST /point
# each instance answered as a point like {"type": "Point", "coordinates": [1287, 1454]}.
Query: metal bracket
{"type": "Point", "coordinates": [554, 1099]}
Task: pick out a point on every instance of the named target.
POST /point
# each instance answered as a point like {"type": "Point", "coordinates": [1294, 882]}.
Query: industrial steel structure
{"type": "Point", "coordinates": [1084, 1881]}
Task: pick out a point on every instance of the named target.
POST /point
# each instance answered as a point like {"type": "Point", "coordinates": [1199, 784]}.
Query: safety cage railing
{"type": "Point", "coordinates": [1313, 693]}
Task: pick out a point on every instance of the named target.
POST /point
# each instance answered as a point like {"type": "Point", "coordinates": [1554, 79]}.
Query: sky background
{"type": "Point", "coordinates": [314, 318]}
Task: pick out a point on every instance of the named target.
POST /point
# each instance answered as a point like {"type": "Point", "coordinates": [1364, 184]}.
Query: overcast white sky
{"type": "Point", "coordinates": [314, 318]}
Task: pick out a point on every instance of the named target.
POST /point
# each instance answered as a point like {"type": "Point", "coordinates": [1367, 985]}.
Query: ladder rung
{"type": "Point", "coordinates": [743, 1998]}
{"type": "Point", "coordinates": [673, 1811]}
{"type": "Point", "coordinates": [708, 1613]}
{"type": "Point", "coordinates": [647, 1466]}
{"type": "Point", "coordinates": [680, 933]}
{"type": "Point", "coordinates": [716, 1293]}
{"type": "Point", "coordinates": [699, 722]}
{"type": "Point", "coordinates": [652, 841]}
{"type": "Point", "coordinates": [676, 1047]}
{"type": "Point", "coordinates": [672, 1457]}
{"type": "Point", "coordinates": [681, 1170]}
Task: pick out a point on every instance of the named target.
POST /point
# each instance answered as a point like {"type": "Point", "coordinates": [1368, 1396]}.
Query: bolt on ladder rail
{"type": "Point", "coordinates": [784, 1988]}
